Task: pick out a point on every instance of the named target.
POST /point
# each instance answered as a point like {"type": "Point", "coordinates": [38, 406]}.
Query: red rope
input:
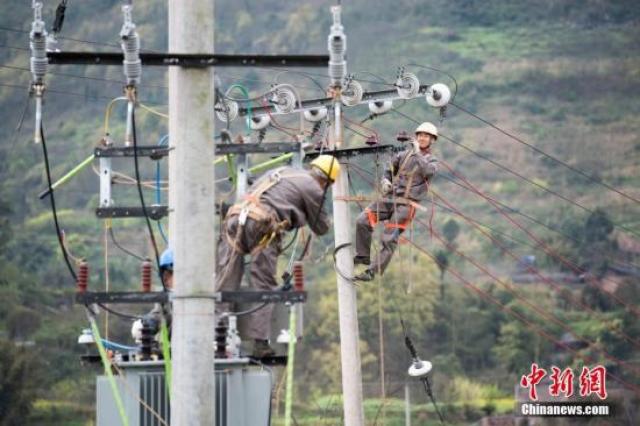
{"type": "Point", "coordinates": [528, 323]}
{"type": "Point", "coordinates": [557, 286]}
{"type": "Point", "coordinates": [544, 246]}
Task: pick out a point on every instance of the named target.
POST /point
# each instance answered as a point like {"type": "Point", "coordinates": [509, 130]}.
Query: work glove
{"type": "Point", "coordinates": [386, 186]}
{"type": "Point", "coordinates": [416, 146]}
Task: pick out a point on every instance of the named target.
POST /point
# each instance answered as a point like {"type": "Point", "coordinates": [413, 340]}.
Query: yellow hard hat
{"type": "Point", "coordinates": [429, 128]}
{"type": "Point", "coordinates": [328, 164]}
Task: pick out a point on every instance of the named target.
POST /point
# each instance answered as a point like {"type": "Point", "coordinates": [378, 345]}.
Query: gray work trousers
{"type": "Point", "coordinates": [396, 215]}
{"type": "Point", "coordinates": [230, 268]}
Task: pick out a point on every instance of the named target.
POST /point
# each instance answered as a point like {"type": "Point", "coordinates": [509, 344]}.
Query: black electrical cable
{"type": "Point", "coordinates": [142, 203]}
{"type": "Point", "coordinates": [549, 156]}
{"type": "Point", "coordinates": [290, 243]}
{"type": "Point", "coordinates": [248, 311]}
{"type": "Point", "coordinates": [125, 250]}
{"type": "Point", "coordinates": [519, 175]}
{"type": "Point", "coordinates": [59, 20]}
{"type": "Point", "coordinates": [335, 262]}
{"type": "Point", "coordinates": [427, 388]}
{"type": "Point", "coordinates": [120, 314]}
{"type": "Point", "coordinates": [53, 206]}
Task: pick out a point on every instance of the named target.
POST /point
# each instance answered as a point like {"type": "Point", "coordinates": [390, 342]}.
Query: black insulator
{"type": "Point", "coordinates": [147, 339]}
{"type": "Point", "coordinates": [221, 339]}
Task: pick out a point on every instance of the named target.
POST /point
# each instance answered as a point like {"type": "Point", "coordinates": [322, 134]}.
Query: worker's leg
{"type": "Point", "coordinates": [263, 270]}
{"type": "Point", "coordinates": [376, 211]}
{"type": "Point", "coordinates": [229, 264]}
{"type": "Point", "coordinates": [396, 225]}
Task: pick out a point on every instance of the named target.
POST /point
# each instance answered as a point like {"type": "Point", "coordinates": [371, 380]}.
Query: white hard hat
{"type": "Point", "coordinates": [429, 128]}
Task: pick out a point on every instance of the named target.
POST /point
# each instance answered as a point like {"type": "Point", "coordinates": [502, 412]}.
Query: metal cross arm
{"type": "Point", "coordinates": [135, 297]}
{"type": "Point", "coordinates": [189, 59]}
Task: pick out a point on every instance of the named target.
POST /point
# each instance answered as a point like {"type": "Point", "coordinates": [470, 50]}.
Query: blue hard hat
{"type": "Point", "coordinates": [166, 260]}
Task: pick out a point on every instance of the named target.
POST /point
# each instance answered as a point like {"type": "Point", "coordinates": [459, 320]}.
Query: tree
{"type": "Point", "coordinates": [17, 383]}
{"type": "Point", "coordinates": [451, 230]}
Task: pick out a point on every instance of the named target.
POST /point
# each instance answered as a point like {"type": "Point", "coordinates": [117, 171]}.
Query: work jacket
{"type": "Point", "coordinates": [297, 198]}
{"type": "Point", "coordinates": [411, 173]}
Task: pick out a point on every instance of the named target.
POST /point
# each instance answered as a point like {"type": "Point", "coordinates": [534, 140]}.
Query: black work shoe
{"type": "Point", "coordinates": [361, 260]}
{"type": "Point", "coordinates": [261, 349]}
{"type": "Point", "coordinates": [366, 275]}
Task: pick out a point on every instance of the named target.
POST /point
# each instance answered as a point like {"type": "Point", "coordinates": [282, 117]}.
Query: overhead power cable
{"type": "Point", "coordinates": [525, 321]}
{"type": "Point", "coordinates": [549, 156]}
{"type": "Point", "coordinates": [109, 80]}
{"type": "Point", "coordinates": [554, 284]}
{"type": "Point", "coordinates": [520, 176]}
{"type": "Point", "coordinates": [77, 40]}
{"type": "Point", "coordinates": [53, 206]}
{"type": "Point", "coordinates": [577, 302]}
{"type": "Point", "coordinates": [632, 309]}
{"type": "Point", "coordinates": [532, 305]}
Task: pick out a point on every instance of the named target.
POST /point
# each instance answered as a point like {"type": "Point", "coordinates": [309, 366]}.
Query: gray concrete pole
{"type": "Point", "coordinates": [191, 217]}
{"type": "Point", "coordinates": [347, 295]}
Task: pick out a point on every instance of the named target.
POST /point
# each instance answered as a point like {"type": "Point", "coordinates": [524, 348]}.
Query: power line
{"type": "Point", "coordinates": [60, 92]}
{"type": "Point", "coordinates": [81, 77]}
{"type": "Point", "coordinates": [530, 181]}
{"type": "Point", "coordinates": [521, 318]}
{"type": "Point", "coordinates": [562, 259]}
{"type": "Point", "coordinates": [549, 156]}
{"type": "Point", "coordinates": [521, 176]}
{"type": "Point", "coordinates": [576, 301]}
{"type": "Point", "coordinates": [16, 30]}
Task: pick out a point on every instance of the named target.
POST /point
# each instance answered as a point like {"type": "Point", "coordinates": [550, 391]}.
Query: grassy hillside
{"type": "Point", "coordinates": [563, 76]}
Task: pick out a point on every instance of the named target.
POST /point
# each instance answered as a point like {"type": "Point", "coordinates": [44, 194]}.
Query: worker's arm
{"type": "Point", "coordinates": [393, 166]}
{"type": "Point", "coordinates": [429, 165]}
{"type": "Point", "coordinates": [317, 218]}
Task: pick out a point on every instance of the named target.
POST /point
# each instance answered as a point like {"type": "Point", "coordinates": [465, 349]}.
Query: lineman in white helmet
{"type": "Point", "coordinates": [408, 176]}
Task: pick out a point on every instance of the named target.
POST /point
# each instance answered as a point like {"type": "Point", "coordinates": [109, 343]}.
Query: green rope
{"type": "Point", "coordinates": [245, 92]}
{"type": "Point", "coordinates": [107, 369]}
{"type": "Point", "coordinates": [290, 360]}
{"type": "Point", "coordinates": [166, 353]}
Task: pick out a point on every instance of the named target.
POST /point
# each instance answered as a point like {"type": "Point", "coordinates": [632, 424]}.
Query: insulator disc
{"type": "Point", "coordinates": [284, 100]}
{"type": "Point", "coordinates": [226, 110]}
{"type": "Point", "coordinates": [408, 85]}
{"type": "Point", "coordinates": [438, 95]}
{"type": "Point", "coordinates": [380, 107]}
{"type": "Point", "coordinates": [259, 122]}
{"type": "Point", "coordinates": [352, 93]}
{"type": "Point", "coordinates": [315, 114]}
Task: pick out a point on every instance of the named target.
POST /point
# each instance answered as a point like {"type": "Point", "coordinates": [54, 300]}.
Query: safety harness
{"type": "Point", "coordinates": [372, 216]}
{"type": "Point", "coordinates": [253, 208]}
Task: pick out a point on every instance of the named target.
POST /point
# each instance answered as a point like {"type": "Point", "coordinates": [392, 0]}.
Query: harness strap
{"type": "Point", "coordinates": [402, 225]}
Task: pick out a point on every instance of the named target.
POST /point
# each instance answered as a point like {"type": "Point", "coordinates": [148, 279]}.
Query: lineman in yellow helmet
{"type": "Point", "coordinates": [281, 200]}
{"type": "Point", "coordinates": [408, 176]}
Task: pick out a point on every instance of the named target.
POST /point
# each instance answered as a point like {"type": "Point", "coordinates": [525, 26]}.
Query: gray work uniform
{"type": "Point", "coordinates": [297, 199]}
{"type": "Point", "coordinates": [410, 174]}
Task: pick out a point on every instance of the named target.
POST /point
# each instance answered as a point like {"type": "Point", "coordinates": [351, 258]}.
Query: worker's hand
{"type": "Point", "coordinates": [416, 146]}
{"type": "Point", "coordinates": [386, 186]}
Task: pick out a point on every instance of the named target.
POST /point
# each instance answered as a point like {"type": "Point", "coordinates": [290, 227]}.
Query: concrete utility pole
{"type": "Point", "coordinates": [191, 217]}
{"type": "Point", "coordinates": [347, 296]}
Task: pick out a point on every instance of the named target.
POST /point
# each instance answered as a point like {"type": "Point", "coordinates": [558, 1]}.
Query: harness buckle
{"type": "Point", "coordinates": [276, 176]}
{"type": "Point", "coordinates": [242, 217]}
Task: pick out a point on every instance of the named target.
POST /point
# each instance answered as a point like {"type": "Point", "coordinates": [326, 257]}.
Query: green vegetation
{"type": "Point", "coordinates": [561, 75]}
